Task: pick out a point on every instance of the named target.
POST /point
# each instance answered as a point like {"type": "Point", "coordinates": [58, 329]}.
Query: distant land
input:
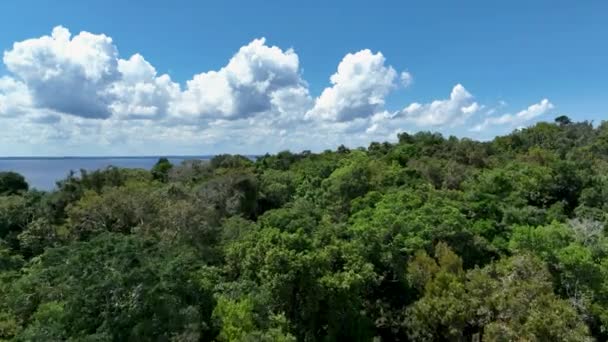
{"type": "Point", "coordinates": [43, 172]}
{"type": "Point", "coordinates": [182, 157]}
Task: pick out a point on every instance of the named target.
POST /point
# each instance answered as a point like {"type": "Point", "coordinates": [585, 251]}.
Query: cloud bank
{"type": "Point", "coordinates": [68, 93]}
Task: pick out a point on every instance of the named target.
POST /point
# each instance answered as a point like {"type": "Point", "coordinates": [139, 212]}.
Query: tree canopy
{"type": "Point", "coordinates": [428, 238]}
{"type": "Point", "coordinates": [12, 183]}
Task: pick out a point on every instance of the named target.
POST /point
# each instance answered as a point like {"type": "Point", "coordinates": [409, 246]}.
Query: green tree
{"type": "Point", "coordinates": [160, 170]}
{"type": "Point", "coordinates": [114, 286]}
{"type": "Point", "coordinates": [563, 120]}
{"type": "Point", "coordinates": [12, 183]}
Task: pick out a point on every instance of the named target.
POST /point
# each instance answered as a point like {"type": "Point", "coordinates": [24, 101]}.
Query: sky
{"type": "Point", "coordinates": [96, 78]}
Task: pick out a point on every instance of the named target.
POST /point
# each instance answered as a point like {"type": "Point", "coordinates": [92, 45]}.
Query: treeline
{"type": "Point", "coordinates": [426, 239]}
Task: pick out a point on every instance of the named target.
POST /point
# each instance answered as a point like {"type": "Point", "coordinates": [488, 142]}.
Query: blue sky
{"type": "Point", "coordinates": [508, 57]}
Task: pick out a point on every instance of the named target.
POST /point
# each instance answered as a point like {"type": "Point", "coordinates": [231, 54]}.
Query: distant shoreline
{"type": "Point", "coordinates": [116, 157]}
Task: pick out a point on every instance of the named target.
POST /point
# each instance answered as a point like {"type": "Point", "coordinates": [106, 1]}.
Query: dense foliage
{"type": "Point", "coordinates": [424, 239]}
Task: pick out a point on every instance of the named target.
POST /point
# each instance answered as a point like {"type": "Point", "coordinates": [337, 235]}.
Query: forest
{"type": "Point", "coordinates": [428, 238]}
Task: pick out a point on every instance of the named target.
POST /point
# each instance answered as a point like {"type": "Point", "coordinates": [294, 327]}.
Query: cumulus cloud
{"type": "Point", "coordinates": [83, 76]}
{"type": "Point", "coordinates": [520, 118]}
{"type": "Point", "coordinates": [14, 97]}
{"type": "Point", "coordinates": [140, 94]}
{"type": "Point", "coordinates": [291, 104]}
{"type": "Point", "coordinates": [74, 94]}
{"type": "Point", "coordinates": [69, 75]}
{"type": "Point", "coordinates": [359, 88]}
{"type": "Point", "coordinates": [454, 110]}
{"type": "Point", "coordinates": [246, 86]}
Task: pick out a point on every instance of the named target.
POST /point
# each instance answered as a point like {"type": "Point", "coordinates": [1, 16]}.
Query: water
{"type": "Point", "coordinates": [42, 173]}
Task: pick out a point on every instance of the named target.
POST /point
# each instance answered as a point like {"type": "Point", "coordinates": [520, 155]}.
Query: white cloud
{"type": "Point", "coordinates": [75, 95]}
{"type": "Point", "coordinates": [407, 79]}
{"type": "Point", "coordinates": [14, 97]}
{"type": "Point", "coordinates": [291, 103]}
{"type": "Point", "coordinates": [244, 87]}
{"type": "Point", "coordinates": [454, 110]}
{"type": "Point", "coordinates": [359, 88]}
{"type": "Point", "coordinates": [520, 118]}
{"type": "Point", "coordinates": [69, 75]}
{"type": "Point", "coordinates": [83, 76]}
{"type": "Point", "coordinates": [471, 109]}
{"type": "Point", "coordinates": [140, 93]}
{"type": "Point", "coordinates": [59, 82]}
